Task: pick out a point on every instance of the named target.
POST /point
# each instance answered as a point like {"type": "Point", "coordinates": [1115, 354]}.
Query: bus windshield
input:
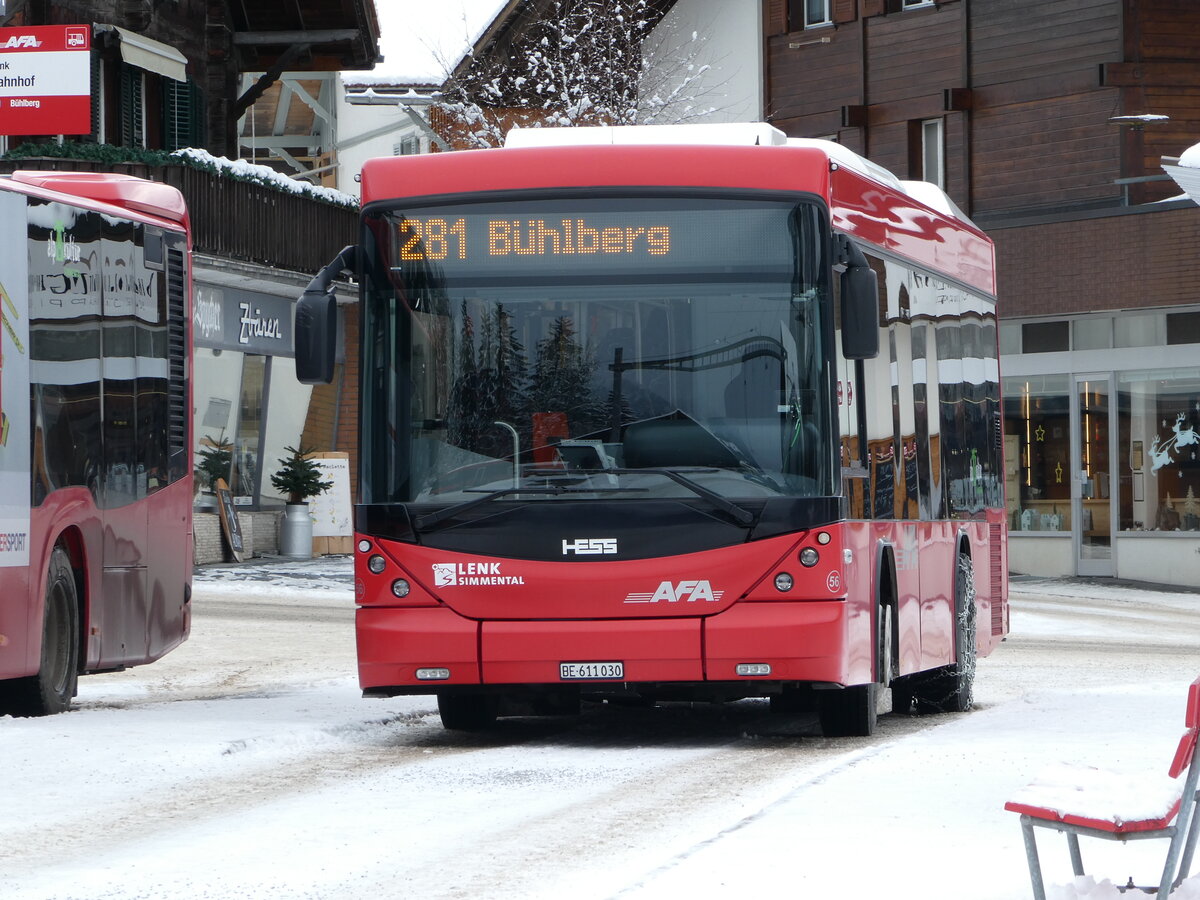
{"type": "Point", "coordinates": [614, 347]}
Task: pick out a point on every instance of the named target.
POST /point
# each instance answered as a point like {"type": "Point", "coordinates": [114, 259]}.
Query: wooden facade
{"type": "Point", "coordinates": [1030, 93]}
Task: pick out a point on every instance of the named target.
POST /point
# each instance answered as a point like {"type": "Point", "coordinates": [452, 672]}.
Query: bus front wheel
{"type": "Point", "coordinates": [51, 690]}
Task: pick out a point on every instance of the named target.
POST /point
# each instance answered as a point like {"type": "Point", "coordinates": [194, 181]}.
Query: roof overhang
{"type": "Point", "coordinates": [153, 56]}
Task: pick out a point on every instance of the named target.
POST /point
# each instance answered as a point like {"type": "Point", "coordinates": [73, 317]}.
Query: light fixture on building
{"type": "Point", "coordinates": [1137, 123]}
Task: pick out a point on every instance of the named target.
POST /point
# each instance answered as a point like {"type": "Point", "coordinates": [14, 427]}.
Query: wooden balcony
{"type": "Point", "coordinates": [237, 219]}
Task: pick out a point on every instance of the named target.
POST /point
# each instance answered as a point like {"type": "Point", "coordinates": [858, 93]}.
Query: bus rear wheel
{"type": "Point", "coordinates": [51, 690]}
{"type": "Point", "coordinates": [468, 712]}
{"type": "Point", "coordinates": [951, 688]}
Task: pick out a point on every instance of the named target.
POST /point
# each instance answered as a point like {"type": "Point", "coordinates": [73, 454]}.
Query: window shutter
{"type": "Point", "coordinates": [872, 8]}
{"type": "Point", "coordinates": [97, 85]}
{"type": "Point", "coordinates": [132, 120]}
{"type": "Point", "coordinates": [844, 11]}
{"type": "Point", "coordinates": [183, 115]}
{"type": "Point", "coordinates": [775, 17]}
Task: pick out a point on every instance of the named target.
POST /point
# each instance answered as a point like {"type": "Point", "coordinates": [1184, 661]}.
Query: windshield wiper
{"type": "Point", "coordinates": [432, 520]}
{"type": "Point", "coordinates": [740, 514]}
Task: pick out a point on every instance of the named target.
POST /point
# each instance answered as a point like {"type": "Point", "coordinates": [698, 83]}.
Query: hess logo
{"type": "Point", "coordinates": [679, 591]}
{"type": "Point", "coordinates": [590, 546]}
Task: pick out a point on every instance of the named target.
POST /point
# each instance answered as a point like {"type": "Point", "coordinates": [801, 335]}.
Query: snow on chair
{"type": "Point", "coordinates": [1102, 804]}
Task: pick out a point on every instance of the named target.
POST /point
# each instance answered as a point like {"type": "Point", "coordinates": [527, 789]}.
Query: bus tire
{"type": "Point", "coordinates": [961, 675]}
{"type": "Point", "coordinates": [468, 712]}
{"type": "Point", "coordinates": [854, 711]}
{"type": "Point", "coordinates": [951, 688]}
{"type": "Point", "coordinates": [51, 690]}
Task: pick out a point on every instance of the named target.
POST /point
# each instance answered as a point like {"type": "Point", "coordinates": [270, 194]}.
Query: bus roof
{"type": "Point", "coordinates": [916, 221]}
{"type": "Point", "coordinates": [150, 198]}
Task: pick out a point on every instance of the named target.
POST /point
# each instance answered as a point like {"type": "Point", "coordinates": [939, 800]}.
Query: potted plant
{"type": "Point", "coordinates": [215, 459]}
{"type": "Point", "coordinates": [298, 478]}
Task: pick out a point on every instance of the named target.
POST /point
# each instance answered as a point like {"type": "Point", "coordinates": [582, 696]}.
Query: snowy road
{"type": "Point", "coordinates": [246, 765]}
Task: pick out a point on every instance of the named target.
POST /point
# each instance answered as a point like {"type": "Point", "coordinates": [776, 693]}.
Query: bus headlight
{"type": "Point", "coordinates": [783, 582]}
{"type": "Point", "coordinates": [400, 587]}
{"type": "Point", "coordinates": [376, 564]}
{"type": "Point", "coordinates": [809, 557]}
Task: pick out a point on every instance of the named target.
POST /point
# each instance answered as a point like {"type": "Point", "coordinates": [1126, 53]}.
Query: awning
{"type": "Point", "coordinates": [153, 56]}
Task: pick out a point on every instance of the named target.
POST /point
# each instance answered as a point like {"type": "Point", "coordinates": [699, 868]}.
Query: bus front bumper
{"type": "Point", "coordinates": [418, 650]}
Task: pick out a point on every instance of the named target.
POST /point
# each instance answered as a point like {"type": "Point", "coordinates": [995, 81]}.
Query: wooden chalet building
{"type": "Point", "coordinates": [1047, 122]}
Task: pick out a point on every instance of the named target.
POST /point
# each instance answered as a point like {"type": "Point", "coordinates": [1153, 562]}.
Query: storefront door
{"type": "Point", "coordinates": [1092, 455]}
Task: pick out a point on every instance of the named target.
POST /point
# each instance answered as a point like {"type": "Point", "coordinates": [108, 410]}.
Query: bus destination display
{"type": "Point", "coordinates": [437, 238]}
{"type": "Point", "coordinates": [594, 240]}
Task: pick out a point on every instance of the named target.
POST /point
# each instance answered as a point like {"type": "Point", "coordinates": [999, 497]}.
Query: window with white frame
{"type": "Point", "coordinates": [909, 4]}
{"type": "Point", "coordinates": [808, 14]}
{"type": "Point", "coordinates": [933, 152]}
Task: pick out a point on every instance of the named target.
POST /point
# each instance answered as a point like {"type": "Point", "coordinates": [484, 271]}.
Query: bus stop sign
{"type": "Point", "coordinates": [46, 80]}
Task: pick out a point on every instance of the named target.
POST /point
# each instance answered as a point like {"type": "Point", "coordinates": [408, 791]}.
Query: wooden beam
{"type": "Point", "coordinates": [1159, 74]}
{"type": "Point", "coordinates": [326, 36]}
{"type": "Point", "coordinates": [268, 78]}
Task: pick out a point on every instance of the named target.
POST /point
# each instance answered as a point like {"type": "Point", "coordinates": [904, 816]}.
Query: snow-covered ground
{"type": "Point", "coordinates": [246, 765]}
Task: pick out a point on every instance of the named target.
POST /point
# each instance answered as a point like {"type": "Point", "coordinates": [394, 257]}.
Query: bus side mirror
{"type": "Point", "coordinates": [316, 321]}
{"type": "Point", "coordinates": [316, 337]}
{"type": "Point", "coordinates": [860, 313]}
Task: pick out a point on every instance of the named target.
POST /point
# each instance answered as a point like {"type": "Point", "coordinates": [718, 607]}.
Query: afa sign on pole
{"type": "Point", "coordinates": [46, 80]}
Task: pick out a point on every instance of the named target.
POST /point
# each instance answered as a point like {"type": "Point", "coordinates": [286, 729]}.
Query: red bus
{"type": "Point", "coordinates": [697, 413]}
{"type": "Point", "coordinates": [95, 448]}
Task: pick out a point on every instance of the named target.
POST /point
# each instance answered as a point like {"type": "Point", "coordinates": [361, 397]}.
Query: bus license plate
{"type": "Point", "coordinates": [586, 670]}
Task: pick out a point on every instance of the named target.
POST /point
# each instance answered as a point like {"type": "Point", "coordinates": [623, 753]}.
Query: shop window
{"type": "Point", "coordinates": [1045, 337]}
{"type": "Point", "coordinates": [217, 382]}
{"type": "Point", "coordinates": [1037, 451]}
{"type": "Point", "coordinates": [1091, 334]}
{"type": "Point", "coordinates": [1159, 455]}
{"type": "Point", "coordinates": [1010, 339]}
{"type": "Point", "coordinates": [1183, 328]}
{"type": "Point", "coordinates": [1139, 331]}
{"type": "Point", "coordinates": [287, 408]}
{"type": "Point", "coordinates": [249, 430]}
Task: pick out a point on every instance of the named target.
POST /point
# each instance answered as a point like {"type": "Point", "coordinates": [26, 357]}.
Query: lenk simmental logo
{"type": "Point", "coordinates": [476, 573]}
{"type": "Point", "coordinates": [676, 591]}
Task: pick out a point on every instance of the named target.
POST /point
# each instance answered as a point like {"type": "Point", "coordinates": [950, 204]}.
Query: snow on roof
{"type": "Point", "coordinates": [1186, 170]}
{"type": "Point", "coordinates": [421, 42]}
{"type": "Point", "coordinates": [743, 133]}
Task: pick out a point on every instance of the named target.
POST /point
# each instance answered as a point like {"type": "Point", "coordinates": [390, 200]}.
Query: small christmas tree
{"type": "Point", "coordinates": [215, 458]}
{"type": "Point", "coordinates": [299, 477]}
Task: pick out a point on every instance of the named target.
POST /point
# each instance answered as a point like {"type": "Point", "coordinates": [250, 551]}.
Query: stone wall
{"type": "Point", "coordinates": [260, 535]}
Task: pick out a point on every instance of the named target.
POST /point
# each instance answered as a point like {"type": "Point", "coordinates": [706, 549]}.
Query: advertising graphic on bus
{"type": "Point", "coordinates": [95, 424]}
{"type": "Point", "coordinates": [705, 415]}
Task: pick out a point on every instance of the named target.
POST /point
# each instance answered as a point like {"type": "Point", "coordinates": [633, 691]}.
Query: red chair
{"type": "Point", "coordinates": [1097, 803]}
